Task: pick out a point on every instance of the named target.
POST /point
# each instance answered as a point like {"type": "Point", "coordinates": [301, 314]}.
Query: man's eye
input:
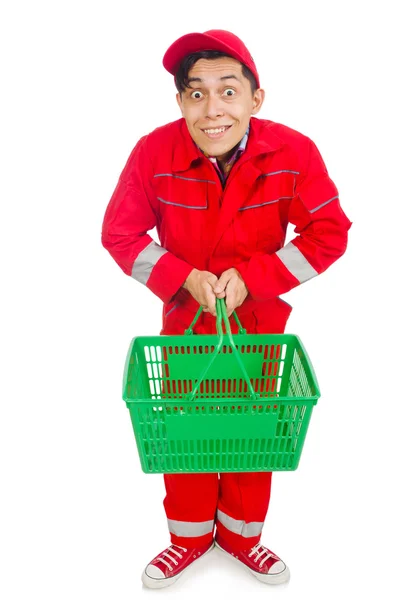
{"type": "Point", "coordinates": [196, 95]}
{"type": "Point", "coordinates": [229, 92]}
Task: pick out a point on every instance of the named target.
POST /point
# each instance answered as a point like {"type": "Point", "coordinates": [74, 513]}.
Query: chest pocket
{"type": "Point", "coordinates": [265, 212]}
{"type": "Point", "coordinates": [181, 192]}
{"type": "Point", "coordinates": [183, 211]}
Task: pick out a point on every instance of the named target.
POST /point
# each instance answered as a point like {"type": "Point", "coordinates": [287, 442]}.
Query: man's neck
{"type": "Point", "coordinates": [222, 160]}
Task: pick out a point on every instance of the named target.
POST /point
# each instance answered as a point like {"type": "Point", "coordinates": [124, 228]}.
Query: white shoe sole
{"type": "Point", "coordinates": [275, 579]}
{"type": "Point", "coordinates": [152, 583]}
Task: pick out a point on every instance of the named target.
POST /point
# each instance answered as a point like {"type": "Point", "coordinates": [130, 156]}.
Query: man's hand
{"type": "Point", "coordinates": [201, 286]}
{"type": "Point", "coordinates": [232, 287]}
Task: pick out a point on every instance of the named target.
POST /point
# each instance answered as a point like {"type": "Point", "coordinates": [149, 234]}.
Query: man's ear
{"type": "Point", "coordinates": [179, 100]}
{"type": "Point", "coordinates": [257, 101]}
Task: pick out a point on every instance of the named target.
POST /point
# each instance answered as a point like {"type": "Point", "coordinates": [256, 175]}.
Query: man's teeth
{"type": "Point", "coordinates": [212, 131]}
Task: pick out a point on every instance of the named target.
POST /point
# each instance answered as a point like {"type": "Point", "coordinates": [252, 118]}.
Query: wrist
{"type": "Point", "coordinates": [189, 279]}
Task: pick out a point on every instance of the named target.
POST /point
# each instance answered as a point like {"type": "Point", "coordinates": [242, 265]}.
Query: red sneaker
{"type": "Point", "coordinates": [260, 561]}
{"type": "Point", "coordinates": [170, 564]}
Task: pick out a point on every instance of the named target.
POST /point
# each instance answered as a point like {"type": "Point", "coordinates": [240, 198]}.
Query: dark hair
{"type": "Point", "coordinates": [182, 75]}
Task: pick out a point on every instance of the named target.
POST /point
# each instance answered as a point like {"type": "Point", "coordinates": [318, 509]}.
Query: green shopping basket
{"type": "Point", "coordinates": [219, 403]}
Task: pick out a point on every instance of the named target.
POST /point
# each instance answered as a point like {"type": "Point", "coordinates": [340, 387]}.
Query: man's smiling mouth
{"type": "Point", "coordinates": [216, 131]}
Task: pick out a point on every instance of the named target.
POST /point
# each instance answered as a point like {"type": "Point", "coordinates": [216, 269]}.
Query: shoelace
{"type": "Point", "coordinates": [264, 550]}
{"type": "Point", "coordinates": [165, 554]}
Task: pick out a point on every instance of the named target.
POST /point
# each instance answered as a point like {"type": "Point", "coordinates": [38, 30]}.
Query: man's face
{"type": "Point", "coordinates": [218, 105]}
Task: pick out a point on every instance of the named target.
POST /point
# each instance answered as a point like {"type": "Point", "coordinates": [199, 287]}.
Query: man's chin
{"type": "Point", "coordinates": [218, 150]}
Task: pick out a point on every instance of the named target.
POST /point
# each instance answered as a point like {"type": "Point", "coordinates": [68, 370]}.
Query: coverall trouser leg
{"type": "Point", "coordinates": [236, 503]}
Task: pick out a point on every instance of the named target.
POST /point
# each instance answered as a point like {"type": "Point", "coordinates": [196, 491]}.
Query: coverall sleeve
{"type": "Point", "coordinates": [130, 214]}
{"type": "Point", "coordinates": [321, 226]}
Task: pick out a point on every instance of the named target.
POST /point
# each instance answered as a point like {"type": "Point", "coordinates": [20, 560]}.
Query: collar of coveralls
{"type": "Point", "coordinates": [260, 141]}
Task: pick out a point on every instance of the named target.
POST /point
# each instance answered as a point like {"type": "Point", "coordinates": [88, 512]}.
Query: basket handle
{"type": "Point", "coordinates": [189, 330]}
{"type": "Point", "coordinates": [235, 351]}
{"type": "Point", "coordinates": [221, 316]}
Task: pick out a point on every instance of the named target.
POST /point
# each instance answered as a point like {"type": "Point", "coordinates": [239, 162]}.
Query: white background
{"type": "Point", "coordinates": [81, 82]}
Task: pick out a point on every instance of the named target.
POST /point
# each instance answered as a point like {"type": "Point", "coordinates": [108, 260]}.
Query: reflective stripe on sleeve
{"type": "Point", "coordinates": [296, 263]}
{"type": "Point", "coordinates": [190, 529]}
{"type": "Point", "coordinates": [240, 527]}
{"type": "Point", "coordinates": [313, 210]}
{"type": "Point", "coordinates": [145, 261]}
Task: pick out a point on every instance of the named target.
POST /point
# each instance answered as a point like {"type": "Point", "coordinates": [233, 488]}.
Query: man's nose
{"type": "Point", "coordinates": [214, 107]}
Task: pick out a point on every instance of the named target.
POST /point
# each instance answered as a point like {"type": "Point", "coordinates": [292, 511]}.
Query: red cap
{"type": "Point", "coordinates": [215, 39]}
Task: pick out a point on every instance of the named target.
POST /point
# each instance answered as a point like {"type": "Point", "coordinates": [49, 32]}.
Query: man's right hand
{"type": "Point", "coordinates": [201, 286]}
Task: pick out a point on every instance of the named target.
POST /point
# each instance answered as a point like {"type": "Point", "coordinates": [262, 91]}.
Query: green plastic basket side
{"type": "Point", "coordinates": [133, 372]}
{"type": "Point", "coordinates": [295, 349]}
{"type": "Point", "coordinates": [302, 434]}
{"type": "Point", "coordinates": [126, 373]}
{"type": "Point", "coordinates": [309, 370]}
{"type": "Point", "coordinates": [132, 389]}
{"type": "Point", "coordinates": [290, 343]}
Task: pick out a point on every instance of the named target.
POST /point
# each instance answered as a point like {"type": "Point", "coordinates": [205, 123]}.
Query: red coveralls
{"type": "Point", "coordinates": [169, 184]}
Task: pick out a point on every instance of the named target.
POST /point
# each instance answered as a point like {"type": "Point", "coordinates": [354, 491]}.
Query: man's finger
{"type": "Point", "coordinates": [235, 295]}
{"type": "Point", "coordinates": [212, 309]}
{"type": "Point", "coordinates": [230, 302]}
{"type": "Point", "coordinates": [231, 296]}
{"type": "Point", "coordinates": [210, 300]}
{"type": "Point", "coordinates": [222, 282]}
{"type": "Point", "coordinates": [231, 310]}
{"type": "Point", "coordinates": [212, 280]}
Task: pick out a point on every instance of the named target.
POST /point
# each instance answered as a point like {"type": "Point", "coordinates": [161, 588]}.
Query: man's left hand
{"type": "Point", "coordinates": [231, 286]}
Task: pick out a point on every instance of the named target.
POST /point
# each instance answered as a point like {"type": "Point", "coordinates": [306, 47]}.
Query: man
{"type": "Point", "coordinates": [221, 187]}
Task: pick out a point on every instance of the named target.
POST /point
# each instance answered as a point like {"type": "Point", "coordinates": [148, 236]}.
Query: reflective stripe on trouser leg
{"type": "Point", "coordinates": [189, 529]}
{"type": "Point", "coordinates": [146, 261]}
{"type": "Point", "coordinates": [239, 527]}
{"type": "Point", "coordinates": [293, 259]}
